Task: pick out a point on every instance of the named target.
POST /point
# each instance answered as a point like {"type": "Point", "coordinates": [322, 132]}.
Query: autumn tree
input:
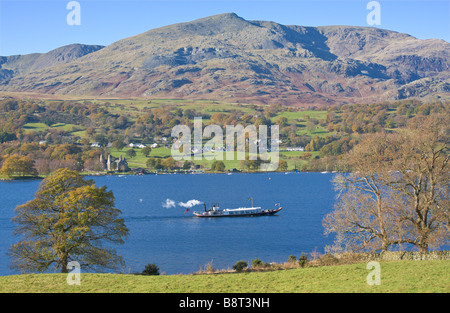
{"type": "Point", "coordinates": [68, 220]}
{"type": "Point", "coordinates": [361, 215]}
{"type": "Point", "coordinates": [218, 166]}
{"type": "Point", "coordinates": [397, 192]}
{"type": "Point", "coordinates": [282, 166]}
{"type": "Point", "coordinates": [119, 144]}
{"type": "Point", "coordinates": [168, 163]}
{"type": "Point", "coordinates": [422, 178]}
{"type": "Point", "coordinates": [282, 121]}
{"type": "Point", "coordinates": [17, 165]}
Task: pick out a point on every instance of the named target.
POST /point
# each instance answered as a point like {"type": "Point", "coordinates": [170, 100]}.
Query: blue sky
{"type": "Point", "coordinates": [28, 26]}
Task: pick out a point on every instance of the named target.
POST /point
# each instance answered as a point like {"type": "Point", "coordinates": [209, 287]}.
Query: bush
{"type": "Point", "coordinates": [257, 263]}
{"type": "Point", "coordinates": [302, 260]}
{"type": "Point", "coordinates": [150, 269]}
{"type": "Point", "coordinates": [218, 166]}
{"type": "Point", "coordinates": [209, 268]}
{"type": "Point", "coordinates": [328, 259]}
{"type": "Point", "coordinates": [291, 259]}
{"type": "Point", "coordinates": [240, 266]}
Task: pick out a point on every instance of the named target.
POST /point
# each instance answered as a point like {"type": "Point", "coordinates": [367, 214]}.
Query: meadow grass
{"type": "Point", "coordinates": [140, 161]}
{"type": "Point", "coordinates": [74, 130]}
{"type": "Point", "coordinates": [396, 277]}
{"type": "Point", "coordinates": [293, 116]}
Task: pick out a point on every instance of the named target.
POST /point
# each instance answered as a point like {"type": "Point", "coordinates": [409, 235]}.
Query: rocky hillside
{"type": "Point", "coordinates": [228, 58]}
{"type": "Point", "coordinates": [16, 65]}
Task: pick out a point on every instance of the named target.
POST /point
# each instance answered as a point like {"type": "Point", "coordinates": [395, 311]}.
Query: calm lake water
{"type": "Point", "coordinates": [180, 243]}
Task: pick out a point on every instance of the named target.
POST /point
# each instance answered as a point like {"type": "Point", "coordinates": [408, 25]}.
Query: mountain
{"type": "Point", "coordinates": [225, 57]}
{"type": "Point", "coordinates": [22, 64]}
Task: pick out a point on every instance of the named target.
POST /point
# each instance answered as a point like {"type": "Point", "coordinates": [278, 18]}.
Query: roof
{"type": "Point", "coordinates": [244, 209]}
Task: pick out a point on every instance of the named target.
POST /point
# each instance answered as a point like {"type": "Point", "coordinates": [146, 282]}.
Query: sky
{"type": "Point", "coordinates": [28, 26]}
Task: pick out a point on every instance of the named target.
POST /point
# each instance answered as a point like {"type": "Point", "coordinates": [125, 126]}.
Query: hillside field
{"type": "Point", "coordinates": [396, 277]}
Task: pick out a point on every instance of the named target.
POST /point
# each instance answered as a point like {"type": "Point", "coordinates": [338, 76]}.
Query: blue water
{"type": "Point", "coordinates": [180, 243]}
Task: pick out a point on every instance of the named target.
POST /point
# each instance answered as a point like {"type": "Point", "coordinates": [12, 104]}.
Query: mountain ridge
{"type": "Point", "coordinates": [229, 58]}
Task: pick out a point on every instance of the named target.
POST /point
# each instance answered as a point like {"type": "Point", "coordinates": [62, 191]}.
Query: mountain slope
{"type": "Point", "coordinates": [229, 58]}
{"type": "Point", "coordinates": [23, 64]}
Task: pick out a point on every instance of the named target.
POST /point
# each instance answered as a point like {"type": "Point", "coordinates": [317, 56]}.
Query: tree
{"type": "Point", "coordinates": [310, 126]}
{"type": "Point", "coordinates": [168, 163]}
{"type": "Point", "coordinates": [119, 144]}
{"type": "Point", "coordinates": [240, 266]}
{"type": "Point", "coordinates": [359, 218]}
{"type": "Point", "coordinates": [101, 139]}
{"type": "Point", "coordinates": [151, 162]}
{"type": "Point", "coordinates": [422, 178]}
{"type": "Point", "coordinates": [397, 192]}
{"type": "Point", "coordinates": [248, 164]}
{"type": "Point", "coordinates": [90, 132]}
{"type": "Point", "coordinates": [150, 269]}
{"type": "Point", "coordinates": [283, 165]}
{"type": "Point", "coordinates": [68, 220]}
{"type": "Point", "coordinates": [16, 165]}
{"type": "Point", "coordinates": [187, 165]}
{"type": "Point", "coordinates": [131, 153]}
{"type": "Point", "coordinates": [282, 121]}
{"type": "Point", "coordinates": [5, 136]}
{"type": "Point", "coordinates": [146, 151]}
{"type": "Point", "coordinates": [93, 164]}
{"type": "Point", "coordinates": [218, 166]}
{"type": "Point", "coordinates": [302, 260]}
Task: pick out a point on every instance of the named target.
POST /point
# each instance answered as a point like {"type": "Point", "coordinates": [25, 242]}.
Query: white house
{"type": "Point", "coordinates": [295, 149]}
{"type": "Point", "coordinates": [136, 145]}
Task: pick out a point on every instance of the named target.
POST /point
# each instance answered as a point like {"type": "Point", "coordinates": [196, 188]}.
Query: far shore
{"type": "Point", "coordinates": [40, 177]}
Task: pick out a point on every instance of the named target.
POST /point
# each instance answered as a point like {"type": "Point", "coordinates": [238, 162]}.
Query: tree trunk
{"type": "Point", "coordinates": [423, 248]}
{"type": "Point", "coordinates": [63, 264]}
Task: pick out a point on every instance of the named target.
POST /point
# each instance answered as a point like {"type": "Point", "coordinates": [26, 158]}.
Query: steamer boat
{"type": "Point", "coordinates": [215, 211]}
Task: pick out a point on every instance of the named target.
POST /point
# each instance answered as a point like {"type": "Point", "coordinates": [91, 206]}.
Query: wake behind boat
{"type": "Point", "coordinates": [215, 211]}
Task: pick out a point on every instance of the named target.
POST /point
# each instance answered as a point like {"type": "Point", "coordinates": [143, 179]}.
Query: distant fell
{"type": "Point", "coordinates": [21, 64]}
{"type": "Point", "coordinates": [225, 57]}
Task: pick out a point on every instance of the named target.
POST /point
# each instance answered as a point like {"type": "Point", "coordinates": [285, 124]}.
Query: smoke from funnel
{"type": "Point", "coordinates": [168, 204]}
{"type": "Point", "coordinates": [189, 204]}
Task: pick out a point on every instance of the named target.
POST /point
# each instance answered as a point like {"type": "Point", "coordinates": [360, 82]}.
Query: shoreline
{"type": "Point", "coordinates": [40, 177]}
{"type": "Point", "coordinates": [323, 260]}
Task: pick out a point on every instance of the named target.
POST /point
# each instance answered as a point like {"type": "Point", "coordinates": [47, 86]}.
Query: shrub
{"type": "Point", "coordinates": [302, 260]}
{"type": "Point", "coordinates": [328, 259]}
{"type": "Point", "coordinates": [209, 268]}
{"type": "Point", "coordinates": [257, 263]}
{"type": "Point", "coordinates": [291, 259]}
{"type": "Point", "coordinates": [240, 266]}
{"type": "Point", "coordinates": [150, 269]}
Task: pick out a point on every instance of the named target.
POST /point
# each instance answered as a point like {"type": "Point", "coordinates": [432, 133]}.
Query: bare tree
{"type": "Point", "coordinates": [362, 216]}
{"type": "Point", "coordinates": [397, 192]}
{"type": "Point", "coordinates": [422, 179]}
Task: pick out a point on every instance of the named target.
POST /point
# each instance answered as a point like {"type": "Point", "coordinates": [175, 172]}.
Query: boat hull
{"type": "Point", "coordinates": [220, 214]}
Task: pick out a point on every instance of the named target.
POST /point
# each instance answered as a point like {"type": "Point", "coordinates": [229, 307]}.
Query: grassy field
{"type": "Point", "coordinates": [44, 127]}
{"type": "Point", "coordinates": [291, 157]}
{"type": "Point", "coordinates": [139, 160]}
{"type": "Point", "coordinates": [72, 129]}
{"type": "Point", "coordinates": [396, 277]}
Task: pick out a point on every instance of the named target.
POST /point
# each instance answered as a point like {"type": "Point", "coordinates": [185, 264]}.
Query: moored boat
{"type": "Point", "coordinates": [215, 211]}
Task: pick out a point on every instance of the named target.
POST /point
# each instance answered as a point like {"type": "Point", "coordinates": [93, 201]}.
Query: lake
{"type": "Point", "coordinates": [180, 243]}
